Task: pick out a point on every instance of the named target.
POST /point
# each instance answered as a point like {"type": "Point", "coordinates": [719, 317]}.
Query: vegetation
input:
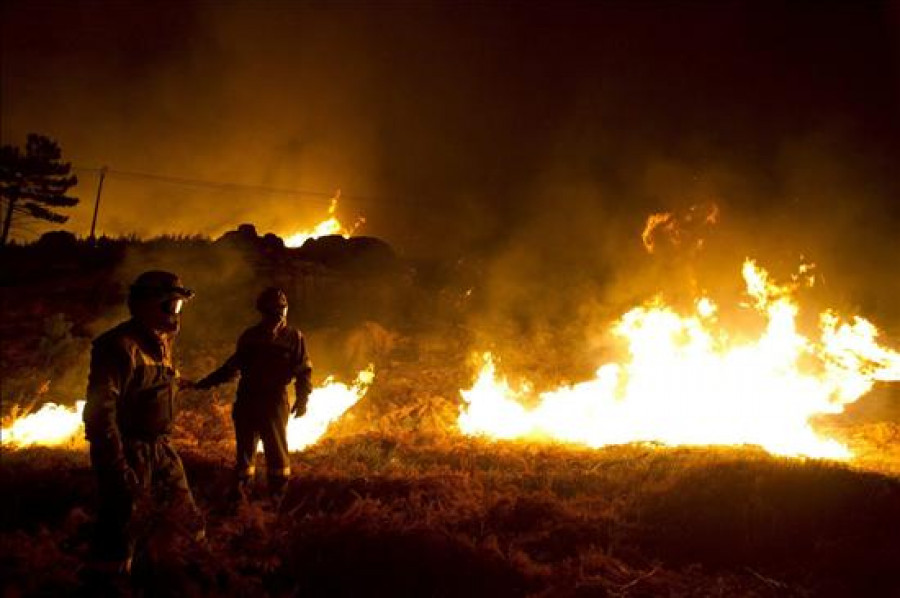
{"type": "Point", "coordinates": [34, 183]}
{"type": "Point", "coordinates": [394, 502]}
{"type": "Point", "coordinates": [407, 515]}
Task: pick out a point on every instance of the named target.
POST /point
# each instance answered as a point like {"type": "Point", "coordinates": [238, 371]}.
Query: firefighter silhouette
{"type": "Point", "coordinates": [269, 356]}
{"type": "Point", "coordinates": [128, 417]}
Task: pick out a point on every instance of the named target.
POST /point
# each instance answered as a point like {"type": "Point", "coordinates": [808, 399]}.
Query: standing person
{"type": "Point", "coordinates": [269, 355]}
{"type": "Point", "coordinates": [128, 417]}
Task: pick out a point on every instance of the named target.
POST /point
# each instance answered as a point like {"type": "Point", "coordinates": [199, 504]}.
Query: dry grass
{"type": "Point", "coordinates": [395, 503]}
{"type": "Point", "coordinates": [410, 515]}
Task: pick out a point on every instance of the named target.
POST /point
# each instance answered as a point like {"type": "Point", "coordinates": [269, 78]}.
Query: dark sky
{"type": "Point", "coordinates": [479, 125]}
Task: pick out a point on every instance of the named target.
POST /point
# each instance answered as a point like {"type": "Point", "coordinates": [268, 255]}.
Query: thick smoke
{"type": "Point", "coordinates": [533, 141]}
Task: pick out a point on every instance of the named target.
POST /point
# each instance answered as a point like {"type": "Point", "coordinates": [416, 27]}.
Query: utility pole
{"type": "Point", "coordinates": [93, 237]}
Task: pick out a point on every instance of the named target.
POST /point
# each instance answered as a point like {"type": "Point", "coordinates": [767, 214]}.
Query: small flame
{"type": "Point", "coordinates": [688, 382]}
{"type": "Point", "coordinates": [683, 230]}
{"type": "Point", "coordinates": [56, 425]}
{"type": "Point", "coordinates": [706, 308]}
{"type": "Point", "coordinates": [329, 226]}
{"type": "Point", "coordinates": [51, 425]}
{"type": "Point", "coordinates": [326, 405]}
{"type": "Point", "coordinates": [662, 221]}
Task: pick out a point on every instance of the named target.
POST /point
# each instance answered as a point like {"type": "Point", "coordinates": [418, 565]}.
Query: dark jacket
{"type": "Point", "coordinates": [267, 362]}
{"type": "Point", "coordinates": [131, 390]}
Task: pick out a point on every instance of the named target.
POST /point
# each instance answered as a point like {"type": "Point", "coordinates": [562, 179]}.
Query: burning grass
{"type": "Point", "coordinates": [393, 501]}
{"type": "Point", "coordinates": [691, 380]}
{"type": "Point", "coordinates": [329, 226]}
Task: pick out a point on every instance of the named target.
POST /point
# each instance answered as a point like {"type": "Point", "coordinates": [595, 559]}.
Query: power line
{"type": "Point", "coordinates": [218, 185]}
{"type": "Point", "coordinates": [434, 215]}
{"type": "Point", "coordinates": [324, 196]}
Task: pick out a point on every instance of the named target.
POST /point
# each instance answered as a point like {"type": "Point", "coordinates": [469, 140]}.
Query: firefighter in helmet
{"type": "Point", "coordinates": [269, 355]}
{"type": "Point", "coordinates": [128, 417]}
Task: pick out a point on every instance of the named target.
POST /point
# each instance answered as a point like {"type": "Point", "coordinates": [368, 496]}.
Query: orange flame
{"type": "Point", "coordinates": [681, 230]}
{"type": "Point", "coordinates": [57, 425]}
{"type": "Point", "coordinates": [688, 382]}
{"type": "Point", "coordinates": [326, 405]}
{"type": "Point", "coordinates": [662, 221]}
{"type": "Point", "coordinates": [329, 226]}
{"type": "Point", "coordinates": [51, 425]}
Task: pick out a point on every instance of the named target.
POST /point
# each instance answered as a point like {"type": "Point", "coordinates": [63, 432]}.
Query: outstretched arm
{"type": "Point", "coordinates": [226, 373]}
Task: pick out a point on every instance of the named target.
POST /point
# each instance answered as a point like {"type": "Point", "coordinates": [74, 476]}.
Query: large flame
{"type": "Point", "coordinates": [329, 226]}
{"type": "Point", "coordinates": [687, 381]}
{"type": "Point", "coordinates": [327, 404]}
{"type": "Point", "coordinates": [56, 425]}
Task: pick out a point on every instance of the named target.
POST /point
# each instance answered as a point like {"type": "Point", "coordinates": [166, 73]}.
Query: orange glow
{"type": "Point", "coordinates": [57, 425]}
{"type": "Point", "coordinates": [662, 221]}
{"type": "Point", "coordinates": [51, 425]}
{"type": "Point", "coordinates": [680, 230]}
{"type": "Point", "coordinates": [327, 404]}
{"type": "Point", "coordinates": [329, 226]}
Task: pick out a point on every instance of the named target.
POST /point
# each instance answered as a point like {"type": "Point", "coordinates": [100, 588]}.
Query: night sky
{"type": "Point", "coordinates": [520, 131]}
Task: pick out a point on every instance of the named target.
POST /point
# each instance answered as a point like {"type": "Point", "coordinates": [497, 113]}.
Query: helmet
{"type": "Point", "coordinates": [156, 298]}
{"type": "Point", "coordinates": [157, 283]}
{"type": "Point", "coordinates": [272, 301]}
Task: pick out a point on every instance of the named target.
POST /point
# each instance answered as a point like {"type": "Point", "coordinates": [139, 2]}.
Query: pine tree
{"type": "Point", "coordinates": [34, 183]}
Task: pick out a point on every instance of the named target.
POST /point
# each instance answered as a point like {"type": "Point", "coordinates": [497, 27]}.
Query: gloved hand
{"type": "Point", "coordinates": [299, 409]}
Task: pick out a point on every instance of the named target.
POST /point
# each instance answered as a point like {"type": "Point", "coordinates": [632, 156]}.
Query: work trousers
{"type": "Point", "coordinates": [252, 424]}
{"type": "Point", "coordinates": [162, 488]}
